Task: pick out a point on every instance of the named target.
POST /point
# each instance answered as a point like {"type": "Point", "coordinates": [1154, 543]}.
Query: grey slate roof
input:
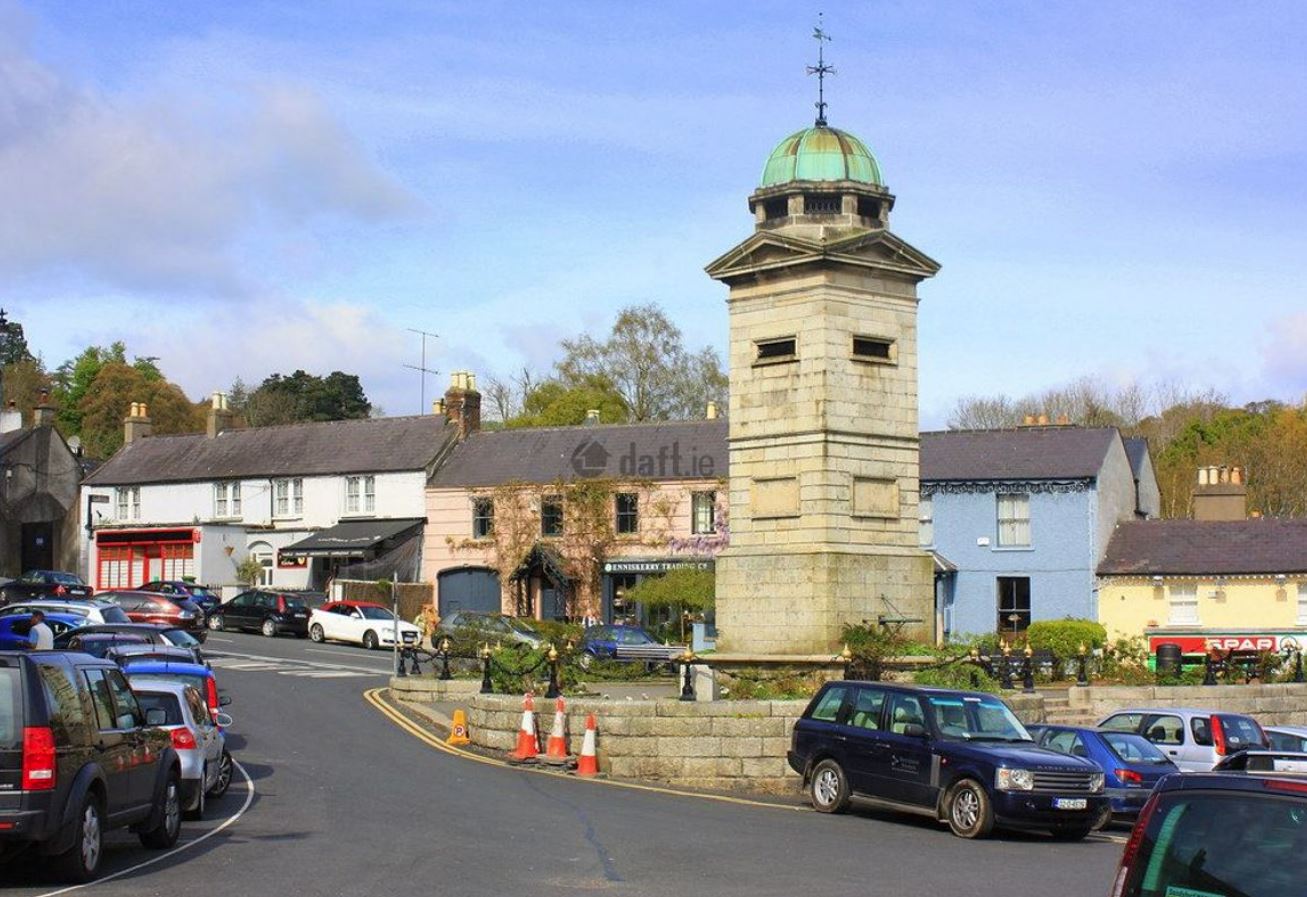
{"type": "Point", "coordinates": [553, 454]}
{"type": "Point", "coordinates": [1136, 449]}
{"type": "Point", "coordinates": [1038, 453]}
{"type": "Point", "coordinates": [378, 445]}
{"type": "Point", "coordinates": [1206, 547]}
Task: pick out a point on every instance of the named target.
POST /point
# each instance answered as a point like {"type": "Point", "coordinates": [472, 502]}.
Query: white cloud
{"type": "Point", "coordinates": [1284, 357]}
{"type": "Point", "coordinates": [154, 193]}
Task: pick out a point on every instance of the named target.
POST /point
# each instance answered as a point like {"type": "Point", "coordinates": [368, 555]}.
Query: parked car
{"type": "Point", "coordinates": [361, 623]}
{"type": "Point", "coordinates": [262, 610]}
{"type": "Point", "coordinates": [92, 610]}
{"type": "Point", "coordinates": [75, 746]}
{"type": "Point", "coordinates": [120, 651]}
{"type": "Point", "coordinates": [100, 644]}
{"type": "Point", "coordinates": [203, 596]}
{"type": "Point", "coordinates": [44, 584]}
{"type": "Point", "coordinates": [1131, 763]}
{"type": "Point", "coordinates": [1195, 740]}
{"type": "Point", "coordinates": [144, 670]}
{"type": "Point", "coordinates": [958, 757]}
{"type": "Point", "coordinates": [161, 610]}
{"type": "Point", "coordinates": [480, 627]}
{"type": "Point", "coordinates": [603, 642]}
{"type": "Point", "coordinates": [1287, 738]}
{"type": "Point", "coordinates": [180, 710]}
{"type": "Point", "coordinates": [155, 635]}
{"type": "Point", "coordinates": [15, 628]}
{"type": "Point", "coordinates": [1218, 833]}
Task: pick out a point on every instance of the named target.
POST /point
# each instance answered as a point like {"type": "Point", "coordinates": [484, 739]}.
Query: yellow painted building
{"type": "Point", "coordinates": [1233, 584]}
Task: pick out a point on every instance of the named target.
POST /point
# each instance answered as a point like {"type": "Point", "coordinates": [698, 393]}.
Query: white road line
{"type": "Point", "coordinates": [308, 663]}
{"type": "Point", "coordinates": [230, 820]}
{"type": "Point", "coordinates": [322, 674]}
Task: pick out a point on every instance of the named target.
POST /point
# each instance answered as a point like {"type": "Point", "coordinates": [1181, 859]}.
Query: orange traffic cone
{"type": "Point", "coordinates": [588, 765]}
{"type": "Point", "coordinates": [556, 750]}
{"type": "Point", "coordinates": [527, 749]}
{"type": "Point", "coordinates": [458, 731]}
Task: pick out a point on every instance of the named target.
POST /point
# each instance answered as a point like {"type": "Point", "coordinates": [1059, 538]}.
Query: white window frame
{"type": "Point", "coordinates": [227, 500]}
{"type": "Point", "coordinates": [369, 495]}
{"type": "Point", "coordinates": [1013, 522]}
{"type": "Point", "coordinates": [297, 497]}
{"type": "Point", "coordinates": [1302, 604]}
{"type": "Point", "coordinates": [281, 498]}
{"type": "Point", "coordinates": [135, 495]}
{"type": "Point", "coordinates": [361, 494]}
{"type": "Point", "coordinates": [926, 521]}
{"type": "Point", "coordinates": [236, 498]}
{"type": "Point", "coordinates": [353, 486]}
{"type": "Point", "coordinates": [120, 503]}
{"type": "Point", "coordinates": [1182, 604]}
{"type": "Point", "coordinates": [697, 502]}
{"type": "Point", "coordinates": [220, 500]}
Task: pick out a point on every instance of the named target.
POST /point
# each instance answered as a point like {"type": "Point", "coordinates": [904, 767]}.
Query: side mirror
{"type": "Point", "coordinates": [914, 730]}
{"type": "Point", "coordinates": [156, 716]}
{"type": "Point", "coordinates": [224, 701]}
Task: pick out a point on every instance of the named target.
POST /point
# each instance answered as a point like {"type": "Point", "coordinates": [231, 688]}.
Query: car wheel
{"type": "Point", "coordinates": [165, 834]}
{"type": "Point", "coordinates": [81, 862]}
{"type": "Point", "coordinates": [1067, 832]}
{"type": "Point", "coordinates": [215, 622]}
{"type": "Point", "coordinates": [224, 776]}
{"type": "Point", "coordinates": [969, 810]}
{"type": "Point", "coordinates": [315, 633]}
{"type": "Point", "coordinates": [828, 788]}
{"type": "Point", "coordinates": [196, 810]}
{"type": "Point", "coordinates": [370, 640]}
{"type": "Point", "coordinates": [269, 628]}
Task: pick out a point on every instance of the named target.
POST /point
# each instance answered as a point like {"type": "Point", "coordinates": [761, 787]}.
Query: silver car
{"type": "Point", "coordinates": [1288, 738]}
{"type": "Point", "coordinates": [1194, 740]}
{"type": "Point", "coordinates": [93, 610]}
{"type": "Point", "coordinates": [195, 736]}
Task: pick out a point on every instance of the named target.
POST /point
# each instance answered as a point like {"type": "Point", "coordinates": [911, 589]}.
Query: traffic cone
{"type": "Point", "coordinates": [458, 731]}
{"type": "Point", "coordinates": [527, 749]}
{"type": "Point", "coordinates": [556, 750]}
{"type": "Point", "coordinates": [588, 765]}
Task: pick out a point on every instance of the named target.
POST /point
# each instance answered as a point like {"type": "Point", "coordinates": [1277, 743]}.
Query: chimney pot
{"type": "Point", "coordinates": [1028, 420]}
{"type": "Point", "coordinates": [1063, 420]}
{"type": "Point", "coordinates": [1043, 420]}
{"type": "Point", "coordinates": [592, 417]}
{"type": "Point", "coordinates": [1202, 476]}
{"type": "Point", "coordinates": [711, 412]}
{"type": "Point", "coordinates": [1236, 475]}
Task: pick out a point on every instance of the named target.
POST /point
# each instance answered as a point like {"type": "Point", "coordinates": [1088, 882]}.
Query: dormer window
{"type": "Point", "coordinates": [822, 204]}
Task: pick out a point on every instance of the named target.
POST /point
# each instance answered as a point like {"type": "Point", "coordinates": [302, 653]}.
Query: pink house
{"type": "Point", "coordinates": [559, 522]}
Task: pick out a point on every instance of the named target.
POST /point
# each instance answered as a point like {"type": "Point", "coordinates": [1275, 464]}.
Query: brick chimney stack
{"type": "Point", "coordinates": [220, 416]}
{"type": "Point", "coordinates": [1221, 494]}
{"type": "Point", "coordinates": [137, 424]}
{"type": "Point", "coordinates": [463, 403]}
{"type": "Point", "coordinates": [43, 415]}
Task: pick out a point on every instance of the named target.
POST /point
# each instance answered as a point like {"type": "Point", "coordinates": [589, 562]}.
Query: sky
{"type": "Point", "coordinates": [1113, 189]}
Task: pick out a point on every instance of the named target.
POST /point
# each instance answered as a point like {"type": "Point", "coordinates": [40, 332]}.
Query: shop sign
{"type": "Point", "coordinates": [656, 565]}
{"type": "Point", "coordinates": [1252, 642]}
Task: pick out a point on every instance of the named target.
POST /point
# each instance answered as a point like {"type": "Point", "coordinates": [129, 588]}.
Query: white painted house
{"type": "Point", "coordinates": [309, 501]}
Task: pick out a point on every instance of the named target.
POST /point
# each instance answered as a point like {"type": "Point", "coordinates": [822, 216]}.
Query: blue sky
{"type": "Point", "coordinates": [1113, 189]}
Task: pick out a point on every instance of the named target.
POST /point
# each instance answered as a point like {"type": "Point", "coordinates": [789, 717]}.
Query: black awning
{"type": "Point", "coordinates": [354, 538]}
{"type": "Point", "coordinates": [548, 561]}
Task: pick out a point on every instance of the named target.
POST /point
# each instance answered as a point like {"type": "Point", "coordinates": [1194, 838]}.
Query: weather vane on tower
{"type": "Point", "coordinates": [821, 70]}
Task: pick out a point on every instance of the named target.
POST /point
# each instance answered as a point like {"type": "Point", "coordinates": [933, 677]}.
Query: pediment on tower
{"type": "Point", "coordinates": [770, 250]}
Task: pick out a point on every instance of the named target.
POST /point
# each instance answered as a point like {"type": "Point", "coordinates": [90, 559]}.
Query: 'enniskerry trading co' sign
{"type": "Point", "coordinates": [656, 565]}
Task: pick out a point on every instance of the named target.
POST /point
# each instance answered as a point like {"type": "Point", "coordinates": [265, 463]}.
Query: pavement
{"type": "Point", "coordinates": [336, 799]}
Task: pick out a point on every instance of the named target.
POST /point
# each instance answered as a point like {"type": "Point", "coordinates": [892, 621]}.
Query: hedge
{"type": "Point", "coordinates": [1063, 638]}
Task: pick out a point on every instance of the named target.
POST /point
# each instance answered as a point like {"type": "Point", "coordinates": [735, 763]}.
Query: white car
{"type": "Point", "coordinates": [1194, 740]}
{"type": "Point", "coordinates": [360, 623]}
{"type": "Point", "coordinates": [196, 737]}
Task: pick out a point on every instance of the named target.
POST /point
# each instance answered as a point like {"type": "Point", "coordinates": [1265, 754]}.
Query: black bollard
{"type": "Point", "coordinates": [687, 690]}
{"type": "Point", "coordinates": [400, 673]}
{"type": "Point", "coordinates": [1209, 674]}
{"type": "Point", "coordinates": [487, 687]}
{"type": "Point", "coordinates": [1082, 675]}
{"type": "Point", "coordinates": [415, 669]}
{"type": "Point", "coordinates": [1005, 681]}
{"type": "Point", "coordinates": [1028, 673]}
{"type": "Point", "coordinates": [445, 674]}
{"type": "Point", "coordinates": [553, 691]}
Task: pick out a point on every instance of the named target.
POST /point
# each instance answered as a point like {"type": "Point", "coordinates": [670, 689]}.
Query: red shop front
{"type": "Point", "coordinates": [128, 559]}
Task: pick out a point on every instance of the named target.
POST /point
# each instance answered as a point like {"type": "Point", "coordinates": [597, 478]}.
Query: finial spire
{"type": "Point", "coordinates": [821, 70]}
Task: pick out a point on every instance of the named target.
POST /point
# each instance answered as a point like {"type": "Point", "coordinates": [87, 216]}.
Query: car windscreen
{"type": "Point", "coordinates": [181, 638]}
{"type": "Point", "coordinates": [376, 613]}
{"type": "Point", "coordinates": [294, 603]}
{"type": "Point", "coordinates": [114, 614]}
{"type": "Point", "coordinates": [158, 700]}
{"type": "Point", "coordinates": [11, 709]}
{"type": "Point", "coordinates": [1241, 732]}
{"type": "Point", "coordinates": [973, 718]}
{"type": "Point", "coordinates": [518, 626]}
{"type": "Point", "coordinates": [202, 592]}
{"type": "Point", "coordinates": [1133, 748]}
{"type": "Point", "coordinates": [192, 679]}
{"type": "Point", "coordinates": [1244, 843]}
{"type": "Point", "coordinates": [100, 645]}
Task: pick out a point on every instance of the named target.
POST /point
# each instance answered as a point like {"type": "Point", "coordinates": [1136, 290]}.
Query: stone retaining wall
{"type": "Point", "coordinates": [1279, 704]}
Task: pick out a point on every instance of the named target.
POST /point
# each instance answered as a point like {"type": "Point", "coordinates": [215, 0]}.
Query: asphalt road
{"type": "Point", "coordinates": [342, 802]}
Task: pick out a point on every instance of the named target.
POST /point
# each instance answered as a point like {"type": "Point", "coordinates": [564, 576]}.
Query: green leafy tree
{"type": "Point", "coordinates": [13, 344]}
{"type": "Point", "coordinates": [554, 404]}
{"type": "Point", "coordinates": [73, 381]}
{"type": "Point", "coordinates": [301, 396]}
{"type": "Point", "coordinates": [648, 365]}
{"type": "Point", "coordinates": [109, 398]}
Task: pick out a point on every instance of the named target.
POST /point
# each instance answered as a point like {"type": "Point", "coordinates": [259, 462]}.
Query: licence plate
{"type": "Point", "coordinates": [300, 614]}
{"type": "Point", "coordinates": [1070, 803]}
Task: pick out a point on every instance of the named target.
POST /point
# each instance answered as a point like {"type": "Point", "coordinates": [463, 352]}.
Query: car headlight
{"type": "Point", "coordinates": [1015, 780]}
{"type": "Point", "coordinates": [1096, 782]}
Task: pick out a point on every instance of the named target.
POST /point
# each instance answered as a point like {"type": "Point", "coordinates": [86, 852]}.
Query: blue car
{"type": "Point", "coordinates": [14, 628]}
{"type": "Point", "coordinates": [1132, 764]}
{"type": "Point", "coordinates": [602, 642]}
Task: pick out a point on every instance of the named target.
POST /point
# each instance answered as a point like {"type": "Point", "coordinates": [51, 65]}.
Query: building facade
{"type": "Point", "coordinates": [306, 501]}
{"type": "Point", "coordinates": [1019, 520]}
{"type": "Point", "coordinates": [39, 474]}
{"type": "Point", "coordinates": [561, 522]}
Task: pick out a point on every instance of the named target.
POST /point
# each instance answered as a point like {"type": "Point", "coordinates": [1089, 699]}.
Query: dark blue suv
{"type": "Point", "coordinates": [960, 757]}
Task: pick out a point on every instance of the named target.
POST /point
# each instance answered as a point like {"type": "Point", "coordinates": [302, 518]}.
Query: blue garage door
{"type": "Point", "coordinates": [475, 589]}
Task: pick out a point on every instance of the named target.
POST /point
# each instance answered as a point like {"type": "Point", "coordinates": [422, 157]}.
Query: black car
{"type": "Point", "coordinates": [155, 635]}
{"type": "Point", "coordinates": [1221, 833]}
{"type": "Point", "coordinates": [78, 757]}
{"type": "Point", "coordinates": [179, 590]}
{"type": "Point", "coordinates": [44, 584]}
{"type": "Point", "coordinates": [959, 757]}
{"type": "Point", "coordinates": [266, 611]}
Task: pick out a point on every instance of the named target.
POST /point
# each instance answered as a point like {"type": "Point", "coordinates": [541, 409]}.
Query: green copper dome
{"type": "Point", "coordinates": [820, 154]}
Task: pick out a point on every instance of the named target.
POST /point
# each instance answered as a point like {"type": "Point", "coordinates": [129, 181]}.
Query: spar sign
{"type": "Point", "coordinates": [1251, 642]}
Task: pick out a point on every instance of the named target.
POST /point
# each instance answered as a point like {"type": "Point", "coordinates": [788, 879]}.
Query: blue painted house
{"type": "Point", "coordinates": [1019, 519]}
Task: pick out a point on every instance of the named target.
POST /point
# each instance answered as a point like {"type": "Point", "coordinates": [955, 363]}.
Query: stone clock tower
{"type": "Point", "coordinates": [823, 412]}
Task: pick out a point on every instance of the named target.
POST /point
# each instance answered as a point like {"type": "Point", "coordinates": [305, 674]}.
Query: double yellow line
{"type": "Point", "coordinates": [377, 698]}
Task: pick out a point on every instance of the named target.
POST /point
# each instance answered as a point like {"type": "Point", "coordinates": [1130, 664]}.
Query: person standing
{"type": "Point", "coordinates": [40, 635]}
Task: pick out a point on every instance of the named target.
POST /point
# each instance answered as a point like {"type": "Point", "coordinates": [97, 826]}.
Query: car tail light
{"type": "Point", "coordinates": [1129, 776]}
{"type": "Point", "coordinates": [1132, 846]}
{"type": "Point", "coordinates": [38, 758]}
{"type": "Point", "coordinates": [183, 739]}
{"type": "Point", "coordinates": [211, 687]}
{"type": "Point", "coordinates": [1284, 785]}
{"type": "Point", "coordinates": [1218, 736]}
{"type": "Point", "coordinates": [60, 590]}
